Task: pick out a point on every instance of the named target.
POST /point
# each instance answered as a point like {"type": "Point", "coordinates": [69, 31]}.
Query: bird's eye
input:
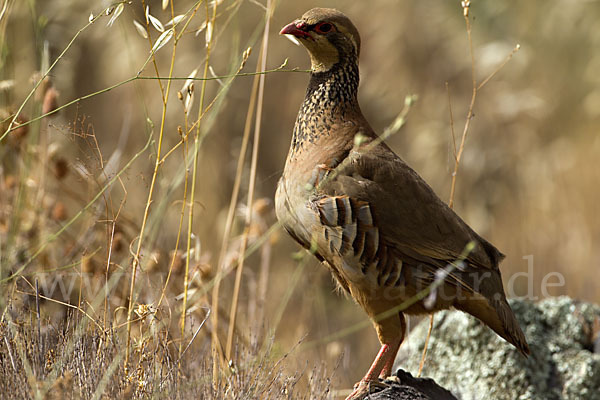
{"type": "Point", "coordinates": [324, 27]}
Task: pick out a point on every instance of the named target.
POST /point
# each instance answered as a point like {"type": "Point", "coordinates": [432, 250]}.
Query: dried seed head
{"type": "Point", "coordinates": [245, 56]}
{"type": "Point", "coordinates": [87, 264]}
{"type": "Point", "coordinates": [50, 103]}
{"type": "Point", "coordinates": [154, 21]}
{"type": "Point", "coordinates": [118, 10]}
{"type": "Point", "coordinates": [7, 84]}
{"type": "Point", "coordinates": [177, 260]}
{"type": "Point", "coordinates": [144, 310]}
{"type": "Point", "coordinates": [59, 212]}
{"type": "Point", "coordinates": [206, 272]}
{"type": "Point", "coordinates": [61, 168]}
{"type": "Point", "coordinates": [21, 131]}
{"type": "Point", "coordinates": [189, 100]}
{"type": "Point", "coordinates": [162, 40]}
{"type": "Point", "coordinates": [153, 261]}
{"type": "Point", "coordinates": [40, 93]}
{"type": "Point", "coordinates": [262, 206]}
{"type": "Point", "coordinates": [140, 29]}
{"type": "Point", "coordinates": [189, 81]}
{"type": "Point", "coordinates": [177, 19]}
{"type": "Point", "coordinates": [200, 28]}
{"type": "Point", "coordinates": [465, 5]}
{"type": "Point", "coordinates": [117, 242]}
{"type": "Point", "coordinates": [10, 182]}
{"type": "Point", "coordinates": [209, 32]}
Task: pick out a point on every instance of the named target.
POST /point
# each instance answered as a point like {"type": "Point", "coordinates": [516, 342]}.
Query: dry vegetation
{"type": "Point", "coordinates": [105, 183]}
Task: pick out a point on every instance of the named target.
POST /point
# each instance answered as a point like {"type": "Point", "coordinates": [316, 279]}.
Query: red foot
{"type": "Point", "coordinates": [363, 388]}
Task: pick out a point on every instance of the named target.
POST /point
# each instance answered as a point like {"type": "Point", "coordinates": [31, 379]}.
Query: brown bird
{"type": "Point", "coordinates": [374, 222]}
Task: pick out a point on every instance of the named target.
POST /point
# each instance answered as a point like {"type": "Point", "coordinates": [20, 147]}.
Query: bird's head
{"type": "Point", "coordinates": [328, 35]}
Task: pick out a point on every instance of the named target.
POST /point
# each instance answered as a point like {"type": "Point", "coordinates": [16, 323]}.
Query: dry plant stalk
{"type": "Point", "coordinates": [136, 258]}
{"type": "Point", "coordinates": [236, 185]}
{"type": "Point", "coordinates": [251, 183]}
{"type": "Point", "coordinates": [210, 22]}
{"type": "Point", "coordinates": [458, 154]}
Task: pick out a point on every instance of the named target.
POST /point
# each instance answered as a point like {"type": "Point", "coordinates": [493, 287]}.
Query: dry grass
{"type": "Point", "coordinates": [62, 362]}
{"type": "Point", "coordinates": [128, 175]}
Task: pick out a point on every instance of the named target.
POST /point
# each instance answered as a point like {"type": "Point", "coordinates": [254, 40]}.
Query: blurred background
{"type": "Point", "coordinates": [529, 180]}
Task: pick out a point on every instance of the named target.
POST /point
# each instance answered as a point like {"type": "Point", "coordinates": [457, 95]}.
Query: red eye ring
{"type": "Point", "coordinates": [324, 27]}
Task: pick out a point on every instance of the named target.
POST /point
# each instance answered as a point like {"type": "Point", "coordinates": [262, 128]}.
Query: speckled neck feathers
{"type": "Point", "coordinates": [330, 96]}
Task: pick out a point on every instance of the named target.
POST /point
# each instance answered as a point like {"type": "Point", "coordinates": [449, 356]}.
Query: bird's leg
{"type": "Point", "coordinates": [391, 334]}
{"type": "Point", "coordinates": [387, 367]}
{"type": "Point", "coordinates": [384, 361]}
{"type": "Point", "coordinates": [393, 350]}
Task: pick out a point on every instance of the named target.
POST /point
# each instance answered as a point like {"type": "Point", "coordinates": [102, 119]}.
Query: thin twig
{"type": "Point", "coordinates": [212, 20]}
{"type": "Point", "coordinates": [236, 188]}
{"type": "Point", "coordinates": [251, 183]}
{"type": "Point", "coordinates": [113, 226]}
{"type": "Point", "coordinates": [37, 311]}
{"type": "Point", "coordinates": [425, 346]}
{"type": "Point", "coordinates": [506, 60]}
{"type": "Point", "coordinates": [451, 122]}
{"type": "Point", "coordinates": [466, 5]}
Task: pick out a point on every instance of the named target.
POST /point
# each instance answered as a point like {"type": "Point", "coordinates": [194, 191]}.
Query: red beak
{"type": "Point", "coordinates": [297, 29]}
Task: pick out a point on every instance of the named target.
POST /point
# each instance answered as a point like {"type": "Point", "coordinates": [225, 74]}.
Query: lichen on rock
{"type": "Point", "coordinates": [473, 362]}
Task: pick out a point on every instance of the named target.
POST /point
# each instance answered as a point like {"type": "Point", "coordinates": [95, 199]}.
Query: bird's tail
{"type": "Point", "coordinates": [498, 315]}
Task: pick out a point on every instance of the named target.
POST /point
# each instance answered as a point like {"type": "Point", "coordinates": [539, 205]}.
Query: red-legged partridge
{"type": "Point", "coordinates": [374, 222]}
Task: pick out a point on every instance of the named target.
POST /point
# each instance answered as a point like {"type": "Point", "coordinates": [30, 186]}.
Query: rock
{"type": "Point", "coordinates": [403, 386]}
{"type": "Point", "coordinates": [473, 362]}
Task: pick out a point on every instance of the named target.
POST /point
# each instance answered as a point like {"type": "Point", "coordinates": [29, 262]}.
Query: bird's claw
{"type": "Point", "coordinates": [391, 379]}
{"type": "Point", "coordinates": [363, 388]}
